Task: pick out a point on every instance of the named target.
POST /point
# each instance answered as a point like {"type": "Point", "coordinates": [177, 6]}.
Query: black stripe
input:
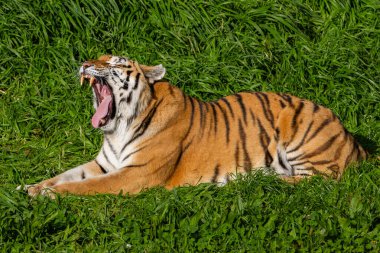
{"type": "Point", "coordinates": [152, 91]}
{"type": "Point", "coordinates": [130, 119]}
{"type": "Point", "coordinates": [281, 161]}
{"type": "Point", "coordinates": [129, 72]}
{"type": "Point", "coordinates": [206, 106]}
{"type": "Point", "coordinates": [319, 150]}
{"type": "Point", "coordinates": [252, 115]}
{"type": "Point", "coordinates": [215, 117]}
{"type": "Point", "coordinates": [201, 115]}
{"type": "Point", "coordinates": [101, 168]}
{"type": "Point", "coordinates": [265, 104]}
{"type": "Point", "coordinates": [178, 159]}
{"type": "Point", "coordinates": [136, 110]}
{"type": "Point", "coordinates": [300, 163]}
{"type": "Point", "coordinates": [287, 98]}
{"type": "Point", "coordinates": [191, 117]}
{"type": "Point", "coordinates": [129, 98]}
{"type": "Point", "coordinates": [166, 173]}
{"type": "Point", "coordinates": [282, 104]}
{"type": "Point", "coordinates": [242, 106]}
{"type": "Point", "coordinates": [187, 145]}
{"type": "Point", "coordinates": [171, 91]}
{"type": "Point", "coordinates": [146, 121]}
{"type": "Point", "coordinates": [243, 136]}
{"type": "Point", "coordinates": [135, 165]}
{"type": "Point", "coordinates": [115, 73]}
{"type": "Point", "coordinates": [125, 85]}
{"type": "Point", "coordinates": [264, 142]}
{"type": "Point", "coordinates": [226, 122]}
{"type": "Point", "coordinates": [224, 100]}
{"type": "Point", "coordinates": [297, 114]}
{"type": "Point", "coordinates": [294, 125]}
{"type": "Point", "coordinates": [113, 110]}
{"type": "Point", "coordinates": [184, 100]}
{"type": "Point", "coordinates": [290, 159]}
{"type": "Point", "coordinates": [303, 138]}
{"type": "Point", "coordinates": [143, 126]}
{"type": "Point", "coordinates": [264, 108]}
{"type": "Point", "coordinates": [133, 152]}
{"type": "Point", "coordinates": [106, 157]}
{"type": "Point", "coordinates": [269, 109]}
{"type": "Point", "coordinates": [319, 129]}
{"type": "Point", "coordinates": [183, 150]}
{"type": "Point", "coordinates": [343, 143]}
{"type": "Point", "coordinates": [303, 174]}
{"type": "Point", "coordinates": [308, 168]}
{"type": "Point", "coordinates": [112, 77]}
{"type": "Point", "coordinates": [321, 162]}
{"type": "Point", "coordinates": [211, 119]}
{"type": "Point", "coordinates": [83, 175]}
{"type": "Point", "coordinates": [277, 134]}
{"type": "Point", "coordinates": [335, 169]}
{"type": "Point", "coordinates": [137, 79]}
{"type": "Point", "coordinates": [109, 145]}
{"type": "Point", "coordinates": [350, 156]}
{"type": "Point", "coordinates": [237, 151]}
{"type": "Point", "coordinates": [315, 108]}
{"type": "Point", "coordinates": [216, 174]}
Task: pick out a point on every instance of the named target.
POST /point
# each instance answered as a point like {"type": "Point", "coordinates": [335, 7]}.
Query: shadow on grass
{"type": "Point", "coordinates": [370, 145]}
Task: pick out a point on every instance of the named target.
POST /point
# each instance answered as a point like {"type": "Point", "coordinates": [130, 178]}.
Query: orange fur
{"type": "Point", "coordinates": [186, 141]}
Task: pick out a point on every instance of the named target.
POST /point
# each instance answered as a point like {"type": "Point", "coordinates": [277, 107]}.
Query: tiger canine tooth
{"type": "Point", "coordinates": [81, 79]}
{"type": "Point", "coordinates": [92, 80]}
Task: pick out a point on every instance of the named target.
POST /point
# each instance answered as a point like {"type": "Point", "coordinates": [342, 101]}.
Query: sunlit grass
{"type": "Point", "coordinates": [326, 51]}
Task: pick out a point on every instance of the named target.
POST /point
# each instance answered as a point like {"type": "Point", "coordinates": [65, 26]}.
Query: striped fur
{"type": "Point", "coordinates": [159, 136]}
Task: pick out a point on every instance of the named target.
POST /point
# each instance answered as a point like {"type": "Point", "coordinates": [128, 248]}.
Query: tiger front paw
{"type": "Point", "coordinates": [38, 189]}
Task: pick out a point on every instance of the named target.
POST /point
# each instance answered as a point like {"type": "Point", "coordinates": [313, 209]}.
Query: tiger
{"type": "Point", "coordinates": [155, 135]}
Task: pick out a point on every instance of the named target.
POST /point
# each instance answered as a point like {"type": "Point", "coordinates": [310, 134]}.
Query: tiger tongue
{"type": "Point", "coordinates": [101, 111]}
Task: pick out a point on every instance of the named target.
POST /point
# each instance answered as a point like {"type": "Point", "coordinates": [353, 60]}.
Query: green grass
{"type": "Point", "coordinates": [326, 51]}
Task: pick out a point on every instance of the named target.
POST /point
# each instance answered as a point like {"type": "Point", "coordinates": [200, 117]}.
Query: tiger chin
{"type": "Point", "coordinates": [155, 135]}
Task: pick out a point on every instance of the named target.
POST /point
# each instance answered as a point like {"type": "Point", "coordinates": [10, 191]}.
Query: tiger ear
{"type": "Point", "coordinates": [153, 73]}
{"type": "Point", "coordinates": [105, 57]}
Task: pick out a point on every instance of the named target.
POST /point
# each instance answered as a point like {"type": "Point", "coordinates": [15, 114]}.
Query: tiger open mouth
{"type": "Point", "coordinates": [104, 100]}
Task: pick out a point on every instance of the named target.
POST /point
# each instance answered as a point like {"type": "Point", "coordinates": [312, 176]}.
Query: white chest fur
{"type": "Point", "coordinates": [117, 150]}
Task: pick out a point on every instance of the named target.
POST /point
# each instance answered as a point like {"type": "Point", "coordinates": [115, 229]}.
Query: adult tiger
{"type": "Point", "coordinates": [155, 135]}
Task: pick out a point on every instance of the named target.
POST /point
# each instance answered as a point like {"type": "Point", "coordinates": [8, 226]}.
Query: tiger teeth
{"type": "Point", "coordinates": [92, 80]}
{"type": "Point", "coordinates": [81, 79]}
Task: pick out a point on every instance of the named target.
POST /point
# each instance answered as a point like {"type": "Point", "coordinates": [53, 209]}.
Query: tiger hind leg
{"type": "Point", "coordinates": [280, 163]}
{"type": "Point", "coordinates": [294, 171]}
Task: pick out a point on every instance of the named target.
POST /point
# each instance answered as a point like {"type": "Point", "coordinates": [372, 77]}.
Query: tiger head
{"type": "Point", "coordinates": [121, 89]}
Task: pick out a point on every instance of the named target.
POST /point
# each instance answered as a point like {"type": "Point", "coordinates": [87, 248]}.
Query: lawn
{"type": "Point", "coordinates": [326, 51]}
